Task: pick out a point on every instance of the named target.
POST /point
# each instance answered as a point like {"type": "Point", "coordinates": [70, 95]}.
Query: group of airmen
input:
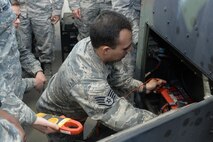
{"type": "Point", "coordinates": [92, 82]}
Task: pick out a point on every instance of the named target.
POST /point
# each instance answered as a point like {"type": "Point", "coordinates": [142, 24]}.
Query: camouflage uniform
{"type": "Point", "coordinates": [82, 87]}
{"type": "Point", "coordinates": [11, 85]}
{"type": "Point", "coordinates": [35, 19]}
{"type": "Point", "coordinates": [131, 9]}
{"type": "Point", "coordinates": [28, 63]}
{"type": "Point", "coordinates": [8, 132]}
{"type": "Point", "coordinates": [90, 9]}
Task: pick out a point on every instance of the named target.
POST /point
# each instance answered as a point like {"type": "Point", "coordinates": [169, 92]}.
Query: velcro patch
{"type": "Point", "coordinates": [106, 100]}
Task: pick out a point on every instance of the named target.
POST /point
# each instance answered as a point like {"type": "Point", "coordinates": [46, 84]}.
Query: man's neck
{"type": "Point", "coordinates": [100, 54]}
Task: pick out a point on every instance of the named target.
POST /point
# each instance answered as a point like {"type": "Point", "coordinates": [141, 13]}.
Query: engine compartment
{"type": "Point", "coordinates": [184, 83]}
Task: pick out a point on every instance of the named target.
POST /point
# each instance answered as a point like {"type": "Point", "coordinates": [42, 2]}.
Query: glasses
{"type": "Point", "coordinates": [18, 16]}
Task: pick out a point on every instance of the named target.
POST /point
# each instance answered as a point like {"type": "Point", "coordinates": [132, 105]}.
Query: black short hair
{"type": "Point", "coordinates": [106, 28]}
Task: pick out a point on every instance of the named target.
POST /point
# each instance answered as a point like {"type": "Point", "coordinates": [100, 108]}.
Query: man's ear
{"type": "Point", "coordinates": [106, 50]}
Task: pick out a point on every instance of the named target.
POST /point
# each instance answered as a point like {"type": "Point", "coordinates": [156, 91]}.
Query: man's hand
{"type": "Point", "coordinates": [152, 85]}
{"type": "Point", "coordinates": [15, 122]}
{"type": "Point", "coordinates": [45, 126]}
{"type": "Point", "coordinates": [40, 79]}
{"type": "Point", "coordinates": [76, 13]}
{"type": "Point", "coordinates": [55, 19]}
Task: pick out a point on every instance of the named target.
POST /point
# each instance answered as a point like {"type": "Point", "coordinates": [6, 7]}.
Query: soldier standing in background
{"type": "Point", "coordinates": [11, 85]}
{"type": "Point", "coordinates": [85, 11]}
{"type": "Point", "coordinates": [27, 59]}
{"type": "Point", "coordinates": [38, 18]}
{"type": "Point", "coordinates": [130, 9]}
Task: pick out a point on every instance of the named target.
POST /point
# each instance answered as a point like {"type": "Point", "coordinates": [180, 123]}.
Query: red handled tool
{"type": "Point", "coordinates": [175, 97]}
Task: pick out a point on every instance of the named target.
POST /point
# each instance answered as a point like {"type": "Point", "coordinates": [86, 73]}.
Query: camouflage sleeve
{"type": "Point", "coordinates": [29, 83]}
{"type": "Point", "coordinates": [57, 6]}
{"type": "Point", "coordinates": [124, 7]}
{"type": "Point", "coordinates": [10, 69]}
{"type": "Point", "coordinates": [8, 133]}
{"type": "Point", "coordinates": [122, 75]}
{"type": "Point", "coordinates": [74, 4]}
{"type": "Point", "coordinates": [27, 59]}
{"type": "Point", "coordinates": [13, 105]}
{"type": "Point", "coordinates": [102, 104]}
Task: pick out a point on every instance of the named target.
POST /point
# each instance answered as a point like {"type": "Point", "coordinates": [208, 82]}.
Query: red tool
{"type": "Point", "coordinates": [175, 97]}
{"type": "Point", "coordinates": [66, 125]}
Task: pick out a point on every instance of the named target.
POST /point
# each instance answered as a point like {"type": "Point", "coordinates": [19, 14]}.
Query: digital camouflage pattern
{"type": "Point", "coordinates": [8, 132]}
{"type": "Point", "coordinates": [90, 9]}
{"type": "Point", "coordinates": [131, 9]}
{"type": "Point", "coordinates": [36, 18]}
{"type": "Point", "coordinates": [11, 85]}
{"type": "Point", "coordinates": [28, 63]}
{"type": "Point", "coordinates": [83, 87]}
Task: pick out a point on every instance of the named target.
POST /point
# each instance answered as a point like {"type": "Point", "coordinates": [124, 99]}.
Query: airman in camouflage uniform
{"type": "Point", "coordinates": [83, 85]}
{"type": "Point", "coordinates": [85, 11]}
{"type": "Point", "coordinates": [29, 64]}
{"type": "Point", "coordinates": [12, 86]}
{"type": "Point", "coordinates": [38, 17]}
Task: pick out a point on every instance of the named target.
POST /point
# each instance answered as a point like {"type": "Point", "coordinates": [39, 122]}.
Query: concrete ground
{"type": "Point", "coordinates": [31, 97]}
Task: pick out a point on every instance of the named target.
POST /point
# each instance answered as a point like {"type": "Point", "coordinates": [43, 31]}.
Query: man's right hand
{"type": "Point", "coordinates": [45, 126]}
{"type": "Point", "coordinates": [76, 13]}
{"type": "Point", "coordinates": [152, 85]}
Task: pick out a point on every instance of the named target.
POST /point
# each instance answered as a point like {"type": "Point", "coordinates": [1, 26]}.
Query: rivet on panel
{"type": "Point", "coordinates": [168, 22]}
{"type": "Point", "coordinates": [165, 9]}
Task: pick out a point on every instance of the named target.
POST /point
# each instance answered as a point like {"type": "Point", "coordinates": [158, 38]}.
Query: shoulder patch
{"type": "Point", "coordinates": [106, 100]}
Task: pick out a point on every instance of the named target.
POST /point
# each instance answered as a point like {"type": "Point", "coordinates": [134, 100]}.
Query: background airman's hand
{"type": "Point", "coordinates": [76, 13]}
{"type": "Point", "coordinates": [40, 79]}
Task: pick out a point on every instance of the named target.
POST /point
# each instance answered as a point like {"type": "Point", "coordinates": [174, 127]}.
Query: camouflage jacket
{"type": "Point", "coordinates": [83, 87]}
{"type": "Point", "coordinates": [11, 85]}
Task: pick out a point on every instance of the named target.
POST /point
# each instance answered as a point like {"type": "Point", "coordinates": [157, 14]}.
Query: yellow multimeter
{"type": "Point", "coordinates": [66, 125]}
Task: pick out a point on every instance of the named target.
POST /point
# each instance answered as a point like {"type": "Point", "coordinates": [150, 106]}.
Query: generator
{"type": "Point", "coordinates": [175, 45]}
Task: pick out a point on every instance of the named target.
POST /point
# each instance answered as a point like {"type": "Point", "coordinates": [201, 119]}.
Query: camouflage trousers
{"type": "Point", "coordinates": [89, 11]}
{"type": "Point", "coordinates": [37, 34]}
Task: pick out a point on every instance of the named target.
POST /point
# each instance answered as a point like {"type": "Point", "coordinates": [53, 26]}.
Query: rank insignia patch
{"type": "Point", "coordinates": [106, 100]}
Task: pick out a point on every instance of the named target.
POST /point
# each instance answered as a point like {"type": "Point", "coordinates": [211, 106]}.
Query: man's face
{"type": "Point", "coordinates": [123, 47]}
{"type": "Point", "coordinates": [16, 10]}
